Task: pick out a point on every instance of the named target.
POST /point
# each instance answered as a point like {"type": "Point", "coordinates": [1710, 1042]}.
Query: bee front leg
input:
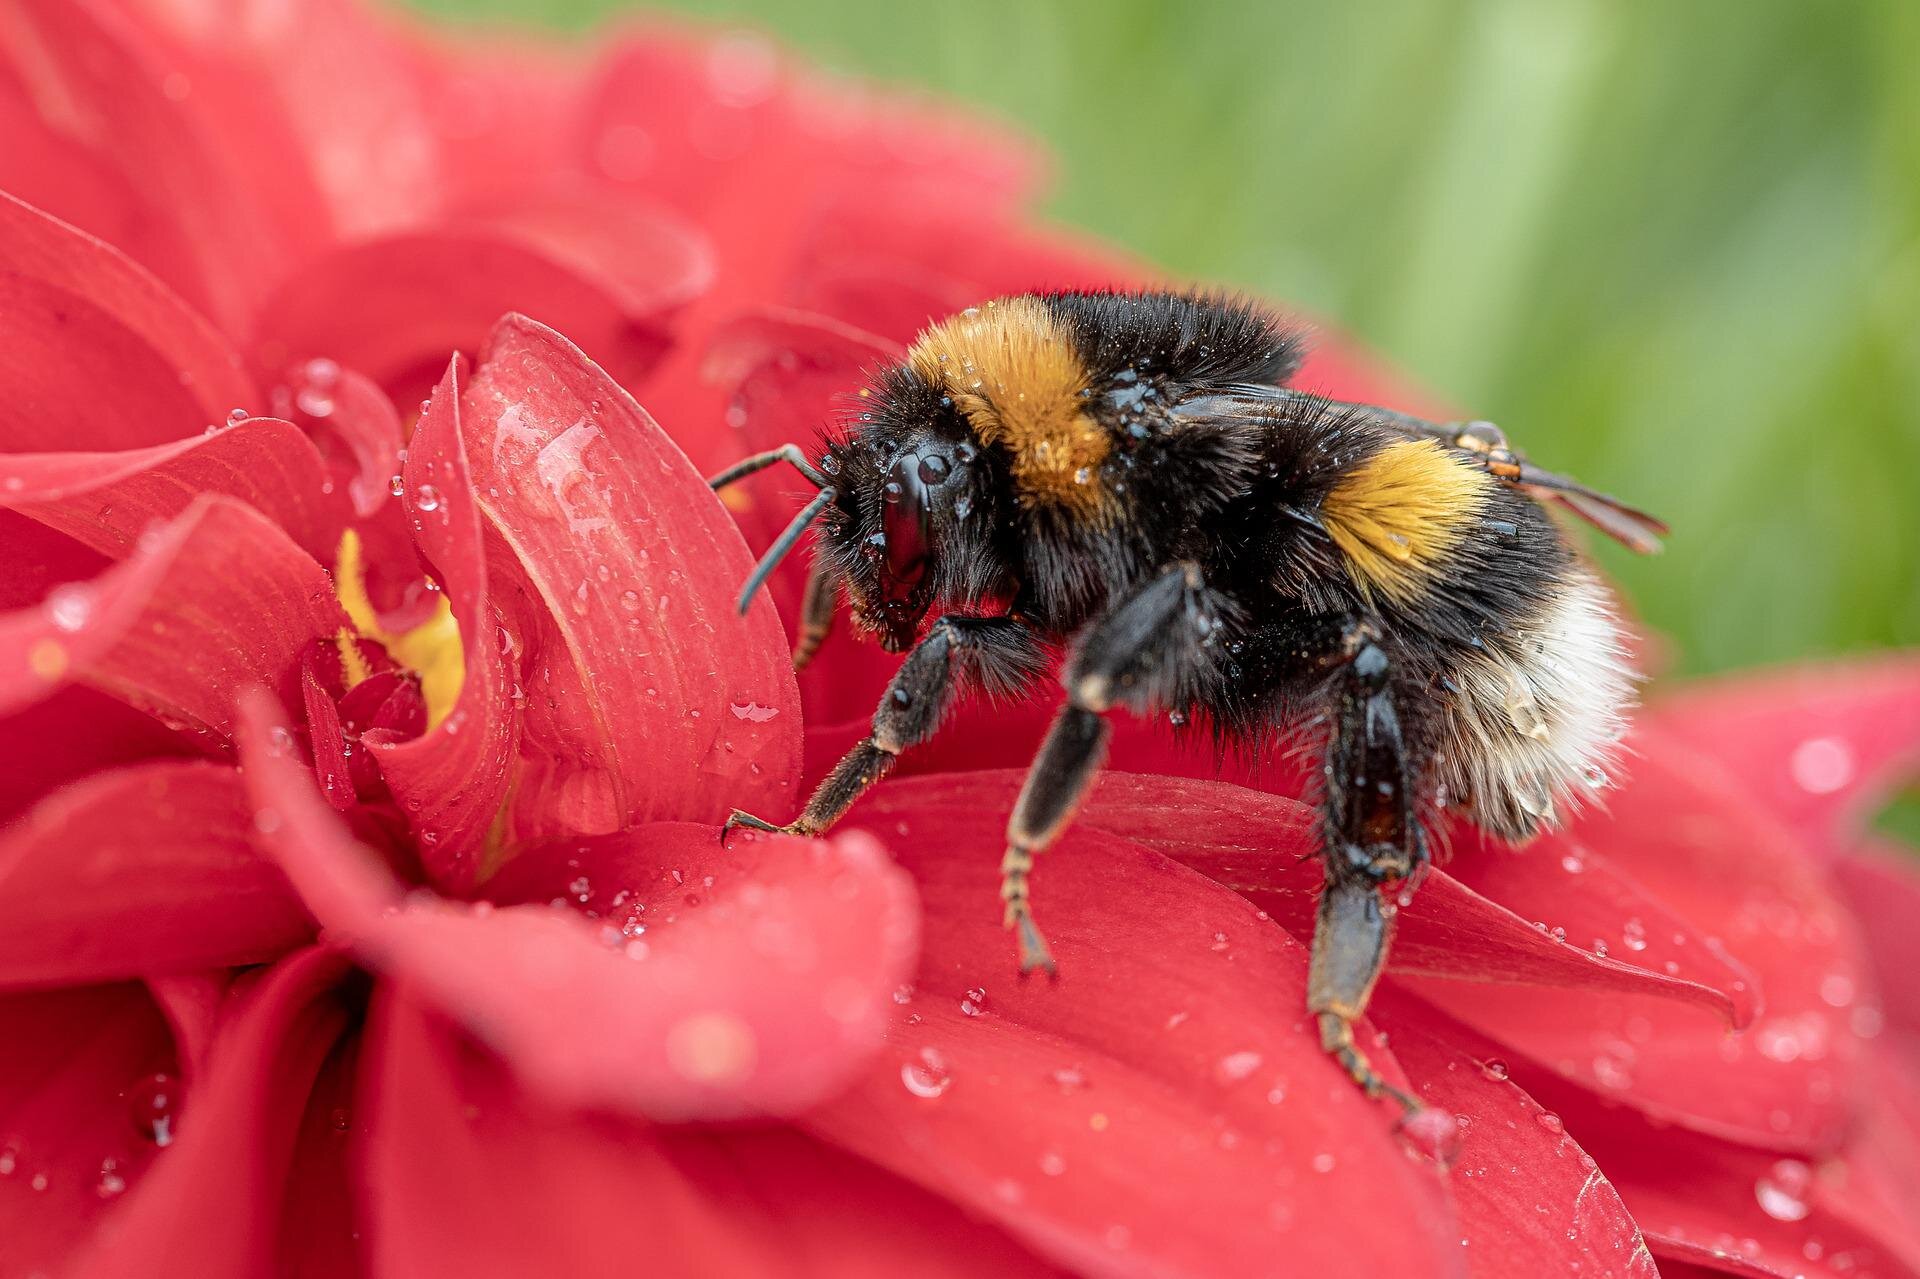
{"type": "Point", "coordinates": [1148, 649]}
{"type": "Point", "coordinates": [816, 610]}
{"type": "Point", "coordinates": [997, 653]}
{"type": "Point", "coordinates": [1373, 841]}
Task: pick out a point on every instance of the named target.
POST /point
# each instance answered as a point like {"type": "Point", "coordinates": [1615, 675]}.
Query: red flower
{"type": "Point", "coordinates": [542, 995]}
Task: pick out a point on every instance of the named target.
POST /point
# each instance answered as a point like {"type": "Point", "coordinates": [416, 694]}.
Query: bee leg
{"type": "Point", "coordinates": [998, 653]}
{"type": "Point", "coordinates": [1373, 841]}
{"type": "Point", "coordinates": [816, 610]}
{"type": "Point", "coordinates": [1143, 651]}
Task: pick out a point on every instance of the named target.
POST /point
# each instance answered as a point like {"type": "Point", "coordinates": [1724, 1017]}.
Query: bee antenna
{"type": "Point", "coordinates": [788, 453]}
{"type": "Point", "coordinates": [783, 544]}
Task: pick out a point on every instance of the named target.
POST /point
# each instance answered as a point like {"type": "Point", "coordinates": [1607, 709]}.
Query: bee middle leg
{"type": "Point", "coordinates": [999, 654]}
{"type": "Point", "coordinates": [1373, 840]}
{"type": "Point", "coordinates": [1148, 649]}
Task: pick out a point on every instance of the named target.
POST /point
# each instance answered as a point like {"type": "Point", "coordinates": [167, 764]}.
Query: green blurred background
{"type": "Point", "coordinates": [1674, 248]}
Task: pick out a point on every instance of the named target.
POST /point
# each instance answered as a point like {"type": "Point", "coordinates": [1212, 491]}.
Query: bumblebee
{"type": "Point", "coordinates": [1128, 476]}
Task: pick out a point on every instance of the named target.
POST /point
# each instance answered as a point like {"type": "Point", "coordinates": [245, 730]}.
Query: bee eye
{"type": "Point", "coordinates": [905, 521]}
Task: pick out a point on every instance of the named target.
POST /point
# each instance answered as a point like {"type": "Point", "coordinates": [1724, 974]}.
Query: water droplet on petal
{"type": "Point", "coordinates": [929, 1075]}
{"type": "Point", "coordinates": [1493, 1068]}
{"type": "Point", "coordinates": [975, 1004]}
{"type": "Point", "coordinates": [1069, 1079]}
{"type": "Point", "coordinates": [1433, 1132]}
{"type": "Point", "coordinates": [111, 1184]}
{"type": "Point", "coordinates": [69, 607]}
{"type": "Point", "coordinates": [150, 1104]}
{"type": "Point", "coordinates": [428, 498]}
{"type": "Point", "coordinates": [1782, 1190]}
{"type": "Point", "coordinates": [1550, 1121]}
{"type": "Point", "coordinates": [1821, 765]}
{"type": "Point", "coordinates": [1237, 1066]}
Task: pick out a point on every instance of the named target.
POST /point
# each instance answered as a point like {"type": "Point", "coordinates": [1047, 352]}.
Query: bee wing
{"type": "Point", "coordinates": [1632, 528]}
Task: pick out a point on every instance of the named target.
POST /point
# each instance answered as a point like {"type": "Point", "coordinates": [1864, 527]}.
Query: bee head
{"type": "Point", "coordinates": [910, 526]}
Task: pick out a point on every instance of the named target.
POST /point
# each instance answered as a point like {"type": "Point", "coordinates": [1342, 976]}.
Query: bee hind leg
{"type": "Point", "coordinates": [1373, 841]}
{"type": "Point", "coordinates": [998, 653]}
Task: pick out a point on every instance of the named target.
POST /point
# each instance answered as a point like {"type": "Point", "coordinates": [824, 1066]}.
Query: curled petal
{"type": "Point", "coordinates": [78, 1094]}
{"type": "Point", "coordinates": [139, 871]}
{"type": "Point", "coordinates": [685, 1023]}
{"type": "Point", "coordinates": [448, 1130]}
{"type": "Point", "coordinates": [1164, 1107]}
{"type": "Point", "coordinates": [98, 354]}
{"type": "Point", "coordinates": [108, 500]}
{"type": "Point", "coordinates": [214, 1205]}
{"type": "Point", "coordinates": [216, 601]}
{"type": "Point", "coordinates": [648, 696]}
{"type": "Point", "coordinates": [452, 779]}
{"type": "Point", "coordinates": [193, 1003]}
{"type": "Point", "coordinates": [353, 424]}
{"type": "Point", "coordinates": [1817, 746]}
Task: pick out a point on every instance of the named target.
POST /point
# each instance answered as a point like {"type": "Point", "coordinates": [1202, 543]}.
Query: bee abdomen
{"type": "Point", "coordinates": [1535, 724]}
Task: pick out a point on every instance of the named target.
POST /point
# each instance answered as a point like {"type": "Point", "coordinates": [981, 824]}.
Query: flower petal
{"type": "Point", "coordinates": [441, 290]}
{"type": "Point", "coordinates": [1266, 848]}
{"type": "Point", "coordinates": [99, 354]}
{"type": "Point", "coordinates": [1818, 746]}
{"type": "Point", "coordinates": [1531, 1201]}
{"type": "Point", "coordinates": [139, 871]}
{"type": "Point", "coordinates": [107, 500]}
{"type": "Point", "coordinates": [1590, 905]}
{"type": "Point", "coordinates": [1880, 881]}
{"type": "Point", "coordinates": [329, 104]}
{"type": "Point", "coordinates": [451, 780]}
{"type": "Point", "coordinates": [449, 1132]}
{"type": "Point", "coordinates": [176, 198]}
{"type": "Point", "coordinates": [213, 1206]}
{"type": "Point", "coordinates": [218, 600]}
{"type": "Point", "coordinates": [321, 1233]}
{"type": "Point", "coordinates": [81, 1066]}
{"type": "Point", "coordinates": [73, 734]}
{"type": "Point", "coordinates": [736, 128]}
{"type": "Point", "coordinates": [1163, 1107]}
{"type": "Point", "coordinates": [1732, 1208]}
{"type": "Point", "coordinates": [353, 424]}
{"type": "Point", "coordinates": [648, 697]}
{"type": "Point", "coordinates": [692, 1022]}
{"type": "Point", "coordinates": [1689, 836]}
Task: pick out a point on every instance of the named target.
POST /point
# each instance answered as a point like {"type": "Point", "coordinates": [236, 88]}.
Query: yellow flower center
{"type": "Point", "coordinates": [431, 650]}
